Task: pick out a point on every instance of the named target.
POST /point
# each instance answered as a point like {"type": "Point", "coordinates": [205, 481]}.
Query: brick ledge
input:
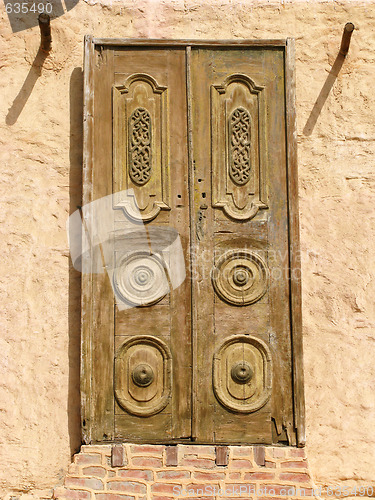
{"type": "Point", "coordinates": [145, 474]}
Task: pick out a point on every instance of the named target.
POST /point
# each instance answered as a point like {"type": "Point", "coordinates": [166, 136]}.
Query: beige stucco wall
{"type": "Point", "coordinates": [41, 141]}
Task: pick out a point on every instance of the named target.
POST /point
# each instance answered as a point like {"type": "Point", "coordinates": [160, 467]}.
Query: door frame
{"type": "Point", "coordinates": [87, 305]}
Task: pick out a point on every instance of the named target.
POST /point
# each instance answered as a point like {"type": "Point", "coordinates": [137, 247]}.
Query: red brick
{"type": "Point", "coordinates": [241, 464]}
{"type": "Point", "coordinates": [297, 452]}
{"type": "Point", "coordinates": [282, 490]}
{"type": "Point", "coordinates": [166, 488]}
{"type": "Point", "coordinates": [89, 483]}
{"type": "Point", "coordinates": [147, 448]}
{"type": "Point", "coordinates": [193, 449]}
{"type": "Point", "coordinates": [147, 462]}
{"type": "Point", "coordinates": [209, 476]}
{"type": "Point", "coordinates": [194, 489]}
{"type": "Point", "coordinates": [127, 486]}
{"type": "Point", "coordinates": [73, 469]}
{"type": "Point", "coordinates": [239, 490]}
{"type": "Point", "coordinates": [204, 463]}
{"type": "Point", "coordinates": [270, 465]}
{"type": "Point", "coordinates": [147, 475]}
{"type": "Point", "coordinates": [94, 459]}
{"type": "Point", "coordinates": [272, 489]}
{"type": "Point", "coordinates": [268, 498]}
{"type": "Point", "coordinates": [295, 477]}
{"type": "Point", "coordinates": [242, 451]}
{"type": "Point", "coordinates": [295, 465]}
{"type": "Point", "coordinates": [288, 491]}
{"type": "Point", "coordinates": [113, 496]}
{"type": "Point", "coordinates": [306, 492]}
{"type": "Point", "coordinates": [173, 474]}
{"type": "Point", "coordinates": [234, 475]}
{"type": "Point", "coordinates": [94, 471]}
{"type": "Point", "coordinates": [163, 498]}
{"type": "Point", "coordinates": [259, 475]}
{"type": "Point", "coordinates": [73, 494]}
{"type": "Point", "coordinates": [279, 452]}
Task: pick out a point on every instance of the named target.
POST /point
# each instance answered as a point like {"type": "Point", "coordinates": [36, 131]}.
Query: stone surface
{"type": "Point", "coordinates": [41, 150]}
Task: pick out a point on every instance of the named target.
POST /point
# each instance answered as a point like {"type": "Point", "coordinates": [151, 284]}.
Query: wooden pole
{"type": "Point", "coordinates": [45, 32]}
{"type": "Point", "coordinates": [346, 36]}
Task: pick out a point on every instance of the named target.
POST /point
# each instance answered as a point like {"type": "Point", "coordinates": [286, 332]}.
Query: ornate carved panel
{"type": "Point", "coordinates": [239, 146]}
{"type": "Point", "coordinates": [140, 146]}
{"type": "Point", "coordinates": [140, 135]}
{"type": "Point", "coordinates": [143, 375]}
{"type": "Point", "coordinates": [240, 277]}
{"type": "Point", "coordinates": [242, 373]}
{"type": "Point", "coordinates": [239, 157]}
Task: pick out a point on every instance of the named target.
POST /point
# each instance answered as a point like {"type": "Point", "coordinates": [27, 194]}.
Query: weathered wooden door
{"type": "Point", "coordinates": [203, 135]}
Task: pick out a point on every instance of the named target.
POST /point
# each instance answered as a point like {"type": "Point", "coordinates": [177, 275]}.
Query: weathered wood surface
{"type": "Point", "coordinates": [252, 233]}
{"type": "Point", "coordinates": [294, 244]}
{"type": "Point", "coordinates": [188, 42]}
{"type": "Point", "coordinates": [221, 456]}
{"type": "Point", "coordinates": [87, 416]}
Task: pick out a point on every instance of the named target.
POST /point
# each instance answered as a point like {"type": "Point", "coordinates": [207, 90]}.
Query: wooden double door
{"type": "Point", "coordinates": [203, 136]}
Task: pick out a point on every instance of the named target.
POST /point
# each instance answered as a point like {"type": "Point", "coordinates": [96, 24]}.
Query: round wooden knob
{"type": "Point", "coordinates": [143, 375]}
{"type": "Point", "coordinates": [242, 372]}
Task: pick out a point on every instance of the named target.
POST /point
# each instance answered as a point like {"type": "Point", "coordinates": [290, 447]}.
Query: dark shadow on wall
{"type": "Point", "coordinates": [19, 102]}
{"type": "Point", "coordinates": [322, 97]}
{"type": "Point", "coordinates": [75, 195]}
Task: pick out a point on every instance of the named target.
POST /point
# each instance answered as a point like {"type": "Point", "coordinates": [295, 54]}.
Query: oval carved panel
{"type": "Point", "coordinates": [140, 279]}
{"type": "Point", "coordinates": [240, 277]}
{"type": "Point", "coordinates": [141, 151]}
{"type": "Point", "coordinates": [242, 373]}
{"type": "Point", "coordinates": [143, 367]}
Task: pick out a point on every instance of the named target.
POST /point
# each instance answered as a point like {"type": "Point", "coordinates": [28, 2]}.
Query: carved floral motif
{"type": "Point", "coordinates": [239, 147]}
{"type": "Point", "coordinates": [140, 146]}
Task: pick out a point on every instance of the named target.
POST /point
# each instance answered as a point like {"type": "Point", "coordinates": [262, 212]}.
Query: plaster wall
{"type": "Point", "coordinates": [40, 184]}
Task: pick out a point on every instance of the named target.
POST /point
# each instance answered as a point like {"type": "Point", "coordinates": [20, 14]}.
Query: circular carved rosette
{"type": "Point", "coordinates": [242, 373]}
{"type": "Point", "coordinates": [240, 277]}
{"type": "Point", "coordinates": [140, 279]}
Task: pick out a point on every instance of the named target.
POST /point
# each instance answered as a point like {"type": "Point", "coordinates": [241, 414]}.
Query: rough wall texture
{"type": "Point", "coordinates": [41, 149]}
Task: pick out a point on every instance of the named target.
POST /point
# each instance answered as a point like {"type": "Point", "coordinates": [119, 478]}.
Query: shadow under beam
{"type": "Point", "coordinates": [322, 97]}
{"type": "Point", "coordinates": [19, 102]}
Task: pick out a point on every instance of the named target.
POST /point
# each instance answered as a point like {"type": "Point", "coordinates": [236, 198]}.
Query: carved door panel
{"type": "Point", "coordinates": [195, 144]}
{"type": "Point", "coordinates": [138, 348]}
{"type": "Point", "coordinates": [242, 332]}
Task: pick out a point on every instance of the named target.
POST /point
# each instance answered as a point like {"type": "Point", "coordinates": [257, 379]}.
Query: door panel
{"type": "Point", "coordinates": [140, 111]}
{"type": "Point", "coordinates": [154, 81]}
{"type": "Point", "coordinates": [241, 244]}
{"type": "Point", "coordinates": [196, 137]}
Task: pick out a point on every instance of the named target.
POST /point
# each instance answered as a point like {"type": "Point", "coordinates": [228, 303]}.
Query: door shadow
{"type": "Point", "coordinates": [75, 197]}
